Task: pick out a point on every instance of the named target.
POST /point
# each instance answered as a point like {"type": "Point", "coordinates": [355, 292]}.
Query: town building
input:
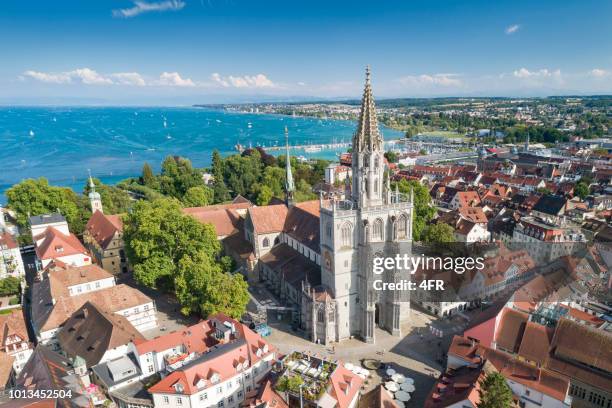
{"type": "Point", "coordinates": [63, 290]}
{"type": "Point", "coordinates": [54, 241]}
{"type": "Point", "coordinates": [103, 237]}
{"type": "Point", "coordinates": [15, 346]}
{"type": "Point", "coordinates": [224, 376]}
{"type": "Point", "coordinates": [11, 263]}
{"type": "Point", "coordinates": [50, 371]}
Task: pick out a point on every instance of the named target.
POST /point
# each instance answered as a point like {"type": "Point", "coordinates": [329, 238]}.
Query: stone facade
{"type": "Point", "coordinates": [374, 221]}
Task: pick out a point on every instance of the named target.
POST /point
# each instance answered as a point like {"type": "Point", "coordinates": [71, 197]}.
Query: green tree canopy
{"type": "Point", "coordinates": [264, 195]}
{"type": "Point", "coordinates": [35, 197]}
{"type": "Point", "coordinates": [10, 286]}
{"type": "Point", "coordinates": [198, 196]}
{"type": "Point", "coordinates": [423, 211]}
{"type": "Point", "coordinates": [438, 233]}
{"type": "Point", "coordinates": [174, 251]}
{"type": "Point", "coordinates": [178, 176]}
{"type": "Point", "coordinates": [148, 178]}
{"type": "Point", "coordinates": [221, 193]}
{"type": "Point", "coordinates": [494, 392]}
{"type": "Point", "coordinates": [582, 190]}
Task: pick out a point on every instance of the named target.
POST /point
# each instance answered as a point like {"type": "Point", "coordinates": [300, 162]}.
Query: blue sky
{"type": "Point", "coordinates": [187, 51]}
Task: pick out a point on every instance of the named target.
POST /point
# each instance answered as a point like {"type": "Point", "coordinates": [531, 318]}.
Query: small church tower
{"type": "Point", "coordinates": [289, 184]}
{"type": "Point", "coordinates": [94, 197]}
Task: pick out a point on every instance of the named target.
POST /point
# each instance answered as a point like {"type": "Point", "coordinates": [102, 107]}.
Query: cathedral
{"type": "Point", "coordinates": [370, 221]}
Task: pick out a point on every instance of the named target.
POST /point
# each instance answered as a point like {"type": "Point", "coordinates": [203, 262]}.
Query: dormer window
{"type": "Point", "coordinates": [265, 348]}
{"type": "Point", "coordinates": [258, 353]}
{"type": "Point", "coordinates": [178, 387]}
{"type": "Point", "coordinates": [215, 378]}
{"type": "Point", "coordinates": [201, 383]}
{"type": "Point", "coordinates": [59, 249]}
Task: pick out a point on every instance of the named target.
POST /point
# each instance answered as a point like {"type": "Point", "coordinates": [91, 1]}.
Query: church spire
{"type": "Point", "coordinates": [289, 185]}
{"type": "Point", "coordinates": [367, 136]}
{"type": "Point", "coordinates": [94, 198]}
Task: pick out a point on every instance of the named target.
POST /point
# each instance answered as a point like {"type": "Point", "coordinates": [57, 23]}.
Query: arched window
{"type": "Point", "coordinates": [347, 235]}
{"type": "Point", "coordinates": [377, 230]}
{"type": "Point", "coordinates": [376, 162]}
{"type": "Point", "coordinates": [402, 227]}
{"type": "Point", "coordinates": [266, 242]}
{"type": "Point", "coordinates": [375, 186]}
{"type": "Point", "coordinates": [276, 241]}
{"type": "Point", "coordinates": [321, 315]}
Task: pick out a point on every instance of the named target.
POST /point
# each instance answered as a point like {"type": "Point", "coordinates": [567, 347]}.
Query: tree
{"type": "Point", "coordinates": [178, 176]}
{"type": "Point", "coordinates": [494, 392]}
{"type": "Point", "coordinates": [157, 235]}
{"type": "Point", "coordinates": [438, 233]}
{"type": "Point", "coordinates": [198, 197]}
{"type": "Point", "coordinates": [391, 156]}
{"type": "Point", "coordinates": [242, 173]}
{"type": "Point", "coordinates": [423, 211]}
{"type": "Point", "coordinates": [35, 197]}
{"type": "Point", "coordinates": [10, 286]}
{"type": "Point", "coordinates": [148, 178]}
{"type": "Point", "coordinates": [264, 195]}
{"type": "Point", "coordinates": [274, 178]}
{"type": "Point", "coordinates": [174, 251]}
{"type": "Point", "coordinates": [582, 190]}
{"type": "Point", "coordinates": [221, 193]}
{"type": "Point", "coordinates": [202, 286]}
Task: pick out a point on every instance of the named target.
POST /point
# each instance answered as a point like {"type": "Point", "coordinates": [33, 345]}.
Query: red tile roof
{"type": "Point", "coordinates": [225, 361]}
{"type": "Point", "coordinates": [510, 329]}
{"type": "Point", "coordinates": [6, 240]}
{"type": "Point", "coordinates": [103, 227]}
{"type": "Point", "coordinates": [196, 339]}
{"type": "Point", "coordinates": [56, 244]}
{"type": "Point", "coordinates": [268, 219]}
{"type": "Point", "coordinates": [224, 220]}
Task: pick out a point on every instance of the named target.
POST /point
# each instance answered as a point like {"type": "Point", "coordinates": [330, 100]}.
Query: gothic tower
{"type": "Point", "coordinates": [372, 222]}
{"type": "Point", "coordinates": [289, 185]}
{"type": "Point", "coordinates": [94, 198]}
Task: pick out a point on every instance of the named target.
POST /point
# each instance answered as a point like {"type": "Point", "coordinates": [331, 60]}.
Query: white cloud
{"type": "Point", "coordinates": [129, 78]}
{"type": "Point", "coordinates": [599, 73]}
{"type": "Point", "coordinates": [436, 80]}
{"type": "Point", "coordinates": [61, 78]}
{"type": "Point", "coordinates": [90, 77]}
{"type": "Point", "coordinates": [84, 75]}
{"type": "Point", "coordinates": [141, 7]}
{"type": "Point", "coordinates": [524, 73]}
{"type": "Point", "coordinates": [512, 29]}
{"type": "Point", "coordinates": [245, 81]}
{"type": "Point", "coordinates": [174, 79]}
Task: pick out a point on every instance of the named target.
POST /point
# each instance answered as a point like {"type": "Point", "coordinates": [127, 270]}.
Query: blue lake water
{"type": "Point", "coordinates": [61, 143]}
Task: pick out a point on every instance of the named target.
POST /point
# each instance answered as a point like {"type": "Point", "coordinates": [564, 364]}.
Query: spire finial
{"type": "Point", "coordinates": [91, 183]}
{"type": "Point", "coordinates": [368, 73]}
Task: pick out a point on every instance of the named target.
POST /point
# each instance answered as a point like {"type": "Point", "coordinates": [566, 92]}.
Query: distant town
{"type": "Point", "coordinates": [250, 283]}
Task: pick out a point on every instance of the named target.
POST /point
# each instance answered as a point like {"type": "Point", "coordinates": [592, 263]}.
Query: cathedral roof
{"type": "Point", "coordinates": [367, 136]}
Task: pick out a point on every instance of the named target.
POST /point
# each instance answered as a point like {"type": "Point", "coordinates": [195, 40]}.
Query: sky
{"type": "Point", "coordinates": [177, 52]}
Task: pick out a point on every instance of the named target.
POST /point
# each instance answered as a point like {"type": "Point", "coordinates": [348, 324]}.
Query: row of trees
{"type": "Point", "coordinates": [35, 197]}
{"type": "Point", "coordinates": [259, 176]}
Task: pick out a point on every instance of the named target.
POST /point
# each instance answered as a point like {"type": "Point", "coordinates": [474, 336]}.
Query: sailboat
{"type": "Point", "coordinates": [31, 133]}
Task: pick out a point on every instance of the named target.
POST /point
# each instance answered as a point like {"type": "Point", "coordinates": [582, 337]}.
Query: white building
{"type": "Point", "coordinates": [11, 263]}
{"type": "Point", "coordinates": [223, 376]}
